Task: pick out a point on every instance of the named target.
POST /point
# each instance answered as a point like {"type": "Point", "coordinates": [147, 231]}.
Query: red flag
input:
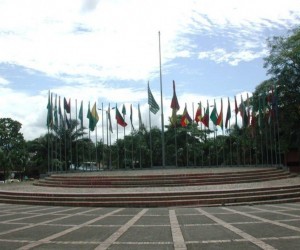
{"type": "Point", "coordinates": [174, 106]}
{"type": "Point", "coordinates": [198, 115]}
{"type": "Point", "coordinates": [228, 115]}
{"type": "Point", "coordinates": [236, 109]}
{"type": "Point", "coordinates": [205, 119]}
{"type": "Point", "coordinates": [120, 119]}
{"type": "Point", "coordinates": [67, 105]}
{"type": "Point", "coordinates": [220, 116]}
{"type": "Point", "coordinates": [185, 119]}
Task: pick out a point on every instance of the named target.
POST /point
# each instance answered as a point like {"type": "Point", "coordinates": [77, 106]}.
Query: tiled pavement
{"type": "Point", "coordinates": [236, 227]}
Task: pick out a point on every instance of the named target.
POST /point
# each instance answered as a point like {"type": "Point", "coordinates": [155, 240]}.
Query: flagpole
{"type": "Point", "coordinates": [150, 136]}
{"type": "Point", "coordinates": [118, 157]}
{"type": "Point", "coordinates": [102, 114]}
{"type": "Point", "coordinates": [162, 107]}
{"type": "Point", "coordinates": [193, 109]}
{"type": "Point", "coordinates": [76, 134]}
{"type": "Point", "coordinates": [124, 147]}
{"type": "Point", "coordinates": [71, 155]}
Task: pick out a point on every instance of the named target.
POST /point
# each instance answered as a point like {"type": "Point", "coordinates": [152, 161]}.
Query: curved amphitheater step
{"type": "Point", "coordinates": [196, 179]}
{"type": "Point", "coordinates": [157, 199]}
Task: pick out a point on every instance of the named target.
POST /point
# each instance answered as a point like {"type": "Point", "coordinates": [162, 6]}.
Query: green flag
{"type": "Point", "coordinates": [80, 115]}
{"type": "Point", "coordinates": [214, 114]}
{"type": "Point", "coordinates": [55, 113]}
{"type": "Point", "coordinates": [49, 114]}
{"type": "Point", "coordinates": [124, 110]}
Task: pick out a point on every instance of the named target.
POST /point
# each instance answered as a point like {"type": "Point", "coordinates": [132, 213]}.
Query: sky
{"type": "Point", "coordinates": [106, 51]}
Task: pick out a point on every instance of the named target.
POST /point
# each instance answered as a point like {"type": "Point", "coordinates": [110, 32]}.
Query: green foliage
{"type": "Point", "coordinates": [12, 144]}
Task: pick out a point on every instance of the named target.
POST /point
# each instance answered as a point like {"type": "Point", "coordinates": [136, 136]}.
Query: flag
{"type": "Point", "coordinates": [253, 124]}
{"type": "Point", "coordinates": [236, 109]}
{"type": "Point", "coordinates": [214, 114]}
{"type": "Point", "coordinates": [67, 105]}
{"type": "Point", "coordinates": [205, 119]}
{"type": "Point", "coordinates": [67, 121]}
{"type": "Point", "coordinates": [220, 116]}
{"type": "Point", "coordinates": [228, 114]}
{"type": "Point", "coordinates": [185, 119]}
{"type": "Point", "coordinates": [120, 119]}
{"type": "Point", "coordinates": [60, 113]}
{"type": "Point", "coordinates": [131, 117]}
{"type": "Point", "coordinates": [89, 116]}
{"type": "Point", "coordinates": [153, 106]}
{"type": "Point", "coordinates": [109, 119]}
{"type": "Point", "coordinates": [141, 125]}
{"type": "Point", "coordinates": [80, 115]}
{"type": "Point", "coordinates": [248, 109]}
{"type": "Point", "coordinates": [198, 115]}
{"type": "Point", "coordinates": [124, 110]}
{"type": "Point", "coordinates": [49, 114]}
{"type": "Point", "coordinates": [55, 113]}
{"type": "Point", "coordinates": [243, 113]}
{"type": "Point", "coordinates": [94, 117]}
{"type": "Point", "coordinates": [174, 106]}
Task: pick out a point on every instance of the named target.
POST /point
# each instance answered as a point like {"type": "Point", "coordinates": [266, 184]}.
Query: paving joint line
{"type": "Point", "coordinates": [297, 229]}
{"type": "Point", "coordinates": [178, 239]}
{"type": "Point", "coordinates": [43, 223]}
{"type": "Point", "coordinates": [34, 216]}
{"type": "Point", "coordinates": [110, 240]}
{"type": "Point", "coordinates": [237, 231]}
{"type": "Point", "coordinates": [54, 236]}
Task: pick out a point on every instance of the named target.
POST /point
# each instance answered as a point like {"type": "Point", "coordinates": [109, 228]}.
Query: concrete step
{"type": "Point", "coordinates": [229, 197]}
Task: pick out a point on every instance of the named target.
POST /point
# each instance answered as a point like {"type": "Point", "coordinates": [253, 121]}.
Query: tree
{"type": "Point", "coordinates": [12, 144]}
{"type": "Point", "coordinates": [283, 63]}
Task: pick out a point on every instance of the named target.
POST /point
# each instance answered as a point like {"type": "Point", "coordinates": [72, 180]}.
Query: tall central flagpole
{"type": "Point", "coordinates": [162, 108]}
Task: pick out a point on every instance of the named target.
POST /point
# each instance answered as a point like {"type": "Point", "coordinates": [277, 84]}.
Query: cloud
{"type": "Point", "coordinates": [3, 81]}
{"type": "Point", "coordinates": [118, 39]}
{"type": "Point", "coordinates": [89, 5]}
{"type": "Point", "coordinates": [220, 55]}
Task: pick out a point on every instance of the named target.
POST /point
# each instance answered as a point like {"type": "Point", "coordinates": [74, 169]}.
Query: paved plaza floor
{"type": "Point", "coordinates": [235, 227]}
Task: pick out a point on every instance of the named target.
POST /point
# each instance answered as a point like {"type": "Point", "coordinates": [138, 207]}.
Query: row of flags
{"type": "Point", "coordinates": [250, 117]}
{"type": "Point", "coordinates": [266, 110]}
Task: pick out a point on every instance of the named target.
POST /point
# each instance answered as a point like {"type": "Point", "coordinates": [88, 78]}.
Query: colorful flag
{"type": "Point", "coordinates": [185, 119]}
{"type": "Point", "coordinates": [109, 119]}
{"type": "Point", "coordinates": [205, 119]}
{"type": "Point", "coordinates": [220, 116]}
{"type": "Point", "coordinates": [214, 115]}
{"type": "Point", "coordinates": [94, 117]}
{"type": "Point", "coordinates": [228, 114]}
{"type": "Point", "coordinates": [174, 106]}
{"type": "Point", "coordinates": [120, 119]}
{"type": "Point", "coordinates": [153, 106]}
{"type": "Point", "coordinates": [198, 115]}
{"type": "Point", "coordinates": [80, 115]}
{"type": "Point", "coordinates": [131, 117]}
{"type": "Point", "coordinates": [67, 105]}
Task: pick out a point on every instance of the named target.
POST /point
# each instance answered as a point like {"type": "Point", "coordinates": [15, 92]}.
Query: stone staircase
{"type": "Point", "coordinates": [108, 181]}
{"type": "Point", "coordinates": [161, 198]}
